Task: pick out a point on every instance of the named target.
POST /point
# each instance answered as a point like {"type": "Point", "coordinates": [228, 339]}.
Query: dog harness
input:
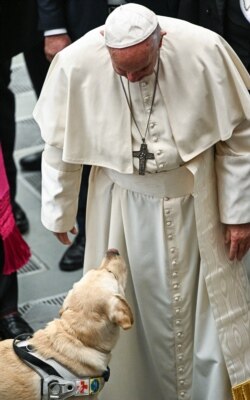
{"type": "Point", "coordinates": [57, 382]}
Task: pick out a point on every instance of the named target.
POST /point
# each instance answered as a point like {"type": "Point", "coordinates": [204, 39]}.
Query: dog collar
{"type": "Point", "coordinates": [57, 382]}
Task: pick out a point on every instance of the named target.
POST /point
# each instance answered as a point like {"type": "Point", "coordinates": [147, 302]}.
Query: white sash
{"type": "Point", "coordinates": [227, 282]}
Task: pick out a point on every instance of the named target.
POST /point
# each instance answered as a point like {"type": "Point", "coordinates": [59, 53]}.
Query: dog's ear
{"type": "Point", "coordinates": [119, 312]}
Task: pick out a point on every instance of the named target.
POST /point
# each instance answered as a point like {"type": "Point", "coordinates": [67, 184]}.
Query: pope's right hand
{"type": "Point", "coordinates": [63, 236]}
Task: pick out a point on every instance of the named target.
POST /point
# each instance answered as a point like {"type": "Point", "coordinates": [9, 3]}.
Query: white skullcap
{"type": "Point", "coordinates": [128, 25]}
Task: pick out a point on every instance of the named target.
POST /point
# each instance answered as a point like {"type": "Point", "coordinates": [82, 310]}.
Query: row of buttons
{"type": "Point", "coordinates": [176, 285]}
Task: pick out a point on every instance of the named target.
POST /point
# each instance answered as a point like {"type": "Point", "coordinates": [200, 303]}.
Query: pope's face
{"type": "Point", "coordinates": [135, 62]}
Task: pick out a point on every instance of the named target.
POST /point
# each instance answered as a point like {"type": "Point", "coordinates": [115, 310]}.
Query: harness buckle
{"type": "Point", "coordinates": [59, 388]}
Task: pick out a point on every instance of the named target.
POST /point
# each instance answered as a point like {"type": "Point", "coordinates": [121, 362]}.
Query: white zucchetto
{"type": "Point", "coordinates": [128, 25]}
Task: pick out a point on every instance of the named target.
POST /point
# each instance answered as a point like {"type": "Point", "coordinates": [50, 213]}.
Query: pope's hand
{"type": "Point", "coordinates": [63, 236]}
{"type": "Point", "coordinates": [237, 237]}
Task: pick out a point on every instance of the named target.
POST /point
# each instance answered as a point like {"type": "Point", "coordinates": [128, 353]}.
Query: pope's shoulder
{"type": "Point", "coordinates": [184, 39]}
{"type": "Point", "coordinates": [88, 52]}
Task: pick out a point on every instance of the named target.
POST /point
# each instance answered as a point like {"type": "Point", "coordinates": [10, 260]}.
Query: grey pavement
{"type": "Point", "coordinates": [42, 286]}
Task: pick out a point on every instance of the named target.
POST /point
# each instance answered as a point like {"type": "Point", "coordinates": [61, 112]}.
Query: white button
{"type": "Point", "coordinates": [174, 274]}
{"type": "Point", "coordinates": [172, 250]}
{"type": "Point", "coordinates": [175, 286]}
{"type": "Point", "coordinates": [179, 334]}
{"type": "Point", "coordinates": [167, 211]}
{"type": "Point", "coordinates": [152, 125]}
{"type": "Point", "coordinates": [180, 369]}
{"type": "Point", "coordinates": [177, 298]}
{"type": "Point", "coordinates": [179, 347]}
{"type": "Point", "coordinates": [177, 311]}
{"type": "Point", "coordinates": [169, 223]}
{"type": "Point", "coordinates": [170, 236]}
{"type": "Point", "coordinates": [178, 322]}
{"type": "Point", "coordinates": [155, 138]}
{"type": "Point", "coordinates": [161, 165]}
{"type": "Point", "coordinates": [180, 358]}
{"type": "Point", "coordinates": [158, 152]}
{"type": "Point", "coordinates": [182, 394]}
{"type": "Point", "coordinates": [174, 262]}
{"type": "Point", "coordinates": [182, 382]}
{"type": "Point", "coordinates": [144, 83]}
{"type": "Point", "coordinates": [146, 98]}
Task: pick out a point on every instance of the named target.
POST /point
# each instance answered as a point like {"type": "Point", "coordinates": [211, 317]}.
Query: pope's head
{"type": "Point", "coordinates": [133, 37]}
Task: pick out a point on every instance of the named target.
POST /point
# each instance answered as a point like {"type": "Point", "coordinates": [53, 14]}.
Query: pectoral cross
{"type": "Point", "coordinates": [143, 156]}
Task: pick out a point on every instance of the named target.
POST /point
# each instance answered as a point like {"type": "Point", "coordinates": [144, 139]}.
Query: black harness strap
{"type": "Point", "coordinates": [27, 356]}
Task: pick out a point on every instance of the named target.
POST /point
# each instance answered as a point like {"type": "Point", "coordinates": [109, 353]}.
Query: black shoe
{"type": "Point", "coordinates": [73, 256]}
{"type": "Point", "coordinates": [31, 162]}
{"type": "Point", "coordinates": [20, 218]}
{"type": "Point", "coordinates": [12, 325]}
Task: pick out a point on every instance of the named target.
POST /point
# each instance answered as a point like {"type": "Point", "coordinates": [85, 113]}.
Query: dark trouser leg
{"type": "Point", "coordinates": [8, 288]}
{"type": "Point", "coordinates": [7, 125]}
{"type": "Point", "coordinates": [37, 66]}
{"type": "Point", "coordinates": [11, 323]}
{"type": "Point", "coordinates": [74, 255]}
{"type": "Point", "coordinates": [81, 213]}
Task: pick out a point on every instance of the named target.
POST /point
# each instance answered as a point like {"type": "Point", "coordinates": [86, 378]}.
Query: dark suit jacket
{"type": "Point", "coordinates": [77, 16]}
{"type": "Point", "coordinates": [18, 27]}
{"type": "Point", "coordinates": [80, 16]}
{"type": "Point", "coordinates": [214, 15]}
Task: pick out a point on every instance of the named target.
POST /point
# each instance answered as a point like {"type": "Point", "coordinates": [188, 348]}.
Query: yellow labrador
{"type": "Point", "coordinates": [75, 347]}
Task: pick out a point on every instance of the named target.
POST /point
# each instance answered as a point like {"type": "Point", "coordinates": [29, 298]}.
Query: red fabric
{"type": "Point", "coordinates": [16, 250]}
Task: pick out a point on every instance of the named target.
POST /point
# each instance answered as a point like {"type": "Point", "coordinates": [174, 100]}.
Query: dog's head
{"type": "Point", "coordinates": [96, 306]}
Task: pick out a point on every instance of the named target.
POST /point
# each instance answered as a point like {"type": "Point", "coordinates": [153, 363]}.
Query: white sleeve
{"type": "Point", "coordinates": [233, 176]}
{"type": "Point", "coordinates": [60, 191]}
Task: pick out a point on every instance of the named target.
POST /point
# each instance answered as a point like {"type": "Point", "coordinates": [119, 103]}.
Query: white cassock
{"type": "Point", "coordinates": [191, 338]}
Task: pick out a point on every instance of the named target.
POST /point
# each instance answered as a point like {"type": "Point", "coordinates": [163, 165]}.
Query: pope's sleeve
{"type": "Point", "coordinates": [233, 175]}
{"type": "Point", "coordinates": [60, 180]}
{"type": "Point", "coordinates": [232, 158]}
{"type": "Point", "coordinates": [60, 190]}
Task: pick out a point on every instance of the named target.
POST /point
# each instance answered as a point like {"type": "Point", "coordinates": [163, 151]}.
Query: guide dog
{"type": "Point", "coordinates": [77, 345]}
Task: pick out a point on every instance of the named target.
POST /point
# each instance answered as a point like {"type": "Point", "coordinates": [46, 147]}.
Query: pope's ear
{"type": "Point", "coordinates": [102, 32]}
{"type": "Point", "coordinates": [163, 33]}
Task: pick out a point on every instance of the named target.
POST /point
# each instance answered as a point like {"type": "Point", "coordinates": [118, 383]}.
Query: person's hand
{"type": "Point", "coordinates": [55, 43]}
{"type": "Point", "coordinates": [237, 237]}
{"type": "Point", "coordinates": [63, 236]}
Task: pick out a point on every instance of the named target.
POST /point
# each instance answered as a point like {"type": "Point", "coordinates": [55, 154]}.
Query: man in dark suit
{"type": "Point", "coordinates": [62, 23]}
{"type": "Point", "coordinates": [221, 16]}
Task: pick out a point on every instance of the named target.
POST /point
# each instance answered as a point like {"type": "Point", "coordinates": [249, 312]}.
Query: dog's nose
{"type": "Point", "coordinates": [112, 252]}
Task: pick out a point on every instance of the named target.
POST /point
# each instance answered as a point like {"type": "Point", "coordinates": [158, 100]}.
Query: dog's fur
{"type": "Point", "coordinates": [82, 338]}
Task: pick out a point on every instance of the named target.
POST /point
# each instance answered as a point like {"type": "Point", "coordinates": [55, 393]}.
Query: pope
{"type": "Point", "coordinates": [161, 109]}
